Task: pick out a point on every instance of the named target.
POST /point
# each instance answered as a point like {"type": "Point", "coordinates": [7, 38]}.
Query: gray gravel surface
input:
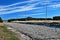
{"type": "Point", "coordinates": [37, 32]}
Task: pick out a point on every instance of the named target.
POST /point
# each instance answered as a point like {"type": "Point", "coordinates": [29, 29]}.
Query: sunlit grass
{"type": "Point", "coordinates": [5, 34]}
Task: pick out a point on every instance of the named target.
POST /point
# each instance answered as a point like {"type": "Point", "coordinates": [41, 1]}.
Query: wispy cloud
{"type": "Point", "coordinates": [34, 14]}
{"type": "Point", "coordinates": [14, 4]}
{"type": "Point", "coordinates": [55, 6]}
{"type": "Point", "coordinates": [19, 8]}
{"type": "Point", "coordinates": [29, 6]}
{"type": "Point", "coordinates": [18, 3]}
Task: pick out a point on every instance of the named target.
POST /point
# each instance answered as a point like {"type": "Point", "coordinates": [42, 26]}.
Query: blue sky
{"type": "Point", "coordinates": [24, 8]}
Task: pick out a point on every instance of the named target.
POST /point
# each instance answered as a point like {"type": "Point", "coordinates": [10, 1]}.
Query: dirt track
{"type": "Point", "coordinates": [37, 32]}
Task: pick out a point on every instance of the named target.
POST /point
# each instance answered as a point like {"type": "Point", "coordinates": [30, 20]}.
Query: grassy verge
{"type": "Point", "coordinates": [5, 34]}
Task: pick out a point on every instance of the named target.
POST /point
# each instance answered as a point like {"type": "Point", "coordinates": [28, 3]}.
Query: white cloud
{"type": "Point", "coordinates": [29, 6]}
{"type": "Point", "coordinates": [19, 7]}
{"type": "Point", "coordinates": [18, 3]}
{"type": "Point", "coordinates": [34, 14]}
{"type": "Point", "coordinates": [46, 2]}
{"type": "Point", "coordinates": [15, 4]}
{"type": "Point", "coordinates": [19, 10]}
{"type": "Point", "coordinates": [38, 14]}
{"type": "Point", "coordinates": [55, 6]}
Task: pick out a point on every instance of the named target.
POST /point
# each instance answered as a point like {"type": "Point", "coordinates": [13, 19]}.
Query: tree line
{"type": "Point", "coordinates": [30, 18]}
{"type": "Point", "coordinates": [1, 20]}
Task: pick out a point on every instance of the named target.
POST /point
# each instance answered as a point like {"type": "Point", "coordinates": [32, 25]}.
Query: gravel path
{"type": "Point", "coordinates": [37, 32]}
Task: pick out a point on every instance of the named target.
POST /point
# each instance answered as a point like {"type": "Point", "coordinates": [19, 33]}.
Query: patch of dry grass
{"type": "Point", "coordinates": [5, 34]}
{"type": "Point", "coordinates": [1, 24]}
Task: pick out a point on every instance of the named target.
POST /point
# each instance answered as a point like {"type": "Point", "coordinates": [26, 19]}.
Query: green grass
{"type": "Point", "coordinates": [5, 34]}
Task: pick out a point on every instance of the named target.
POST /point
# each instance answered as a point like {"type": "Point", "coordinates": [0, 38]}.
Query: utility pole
{"type": "Point", "coordinates": [25, 17]}
{"type": "Point", "coordinates": [46, 11]}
